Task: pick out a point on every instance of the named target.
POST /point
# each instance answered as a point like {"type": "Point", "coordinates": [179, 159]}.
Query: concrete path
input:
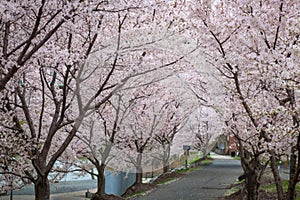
{"type": "Point", "coordinates": [205, 184]}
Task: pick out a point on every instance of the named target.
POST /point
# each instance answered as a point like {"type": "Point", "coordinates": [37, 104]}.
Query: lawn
{"type": "Point", "coordinates": [272, 187]}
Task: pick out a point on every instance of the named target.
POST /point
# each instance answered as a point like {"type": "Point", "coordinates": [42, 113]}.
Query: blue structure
{"type": "Point", "coordinates": [118, 183]}
{"type": "Point", "coordinates": [115, 183]}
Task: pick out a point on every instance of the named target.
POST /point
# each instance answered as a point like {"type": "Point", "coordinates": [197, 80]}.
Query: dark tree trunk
{"type": "Point", "coordinates": [166, 168]}
{"type": "Point", "coordinates": [165, 164]}
{"type": "Point", "coordinates": [252, 185]}
{"type": "Point", "coordinates": [166, 157]}
{"type": "Point", "coordinates": [101, 168]}
{"type": "Point", "coordinates": [139, 169]}
{"type": "Point", "coordinates": [139, 177]}
{"type": "Point", "coordinates": [252, 168]}
{"type": "Point", "coordinates": [101, 180]}
{"type": "Point", "coordinates": [42, 188]}
{"type": "Point", "coordinates": [294, 173]}
{"type": "Point", "coordinates": [294, 170]}
{"type": "Point", "coordinates": [276, 175]}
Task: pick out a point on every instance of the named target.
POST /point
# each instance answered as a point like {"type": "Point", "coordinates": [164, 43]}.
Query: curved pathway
{"type": "Point", "coordinates": [208, 183]}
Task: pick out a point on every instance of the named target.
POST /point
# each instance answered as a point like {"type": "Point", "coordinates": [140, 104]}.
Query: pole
{"type": "Point", "coordinates": [152, 169]}
{"type": "Point", "coordinates": [186, 158]}
{"type": "Point", "coordinates": [11, 188]}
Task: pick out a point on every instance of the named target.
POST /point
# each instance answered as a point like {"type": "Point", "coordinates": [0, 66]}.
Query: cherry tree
{"type": "Point", "coordinates": [202, 127]}
{"type": "Point", "coordinates": [157, 119]}
{"type": "Point", "coordinates": [167, 130]}
{"type": "Point", "coordinates": [172, 115]}
{"type": "Point", "coordinates": [101, 145]}
{"type": "Point", "coordinates": [42, 36]}
{"type": "Point", "coordinates": [138, 130]}
{"type": "Point", "coordinates": [97, 146]}
{"type": "Point", "coordinates": [52, 53]}
{"type": "Point", "coordinates": [255, 46]}
{"type": "Point", "coordinates": [103, 154]}
{"type": "Point", "coordinates": [202, 90]}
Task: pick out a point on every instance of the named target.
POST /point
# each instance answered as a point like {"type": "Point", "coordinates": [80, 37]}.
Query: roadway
{"type": "Point", "coordinates": [208, 183]}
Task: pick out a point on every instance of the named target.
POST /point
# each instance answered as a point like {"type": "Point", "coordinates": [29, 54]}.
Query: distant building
{"type": "Point", "coordinates": [226, 145]}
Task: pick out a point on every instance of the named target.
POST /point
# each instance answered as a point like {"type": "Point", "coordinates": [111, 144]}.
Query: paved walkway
{"type": "Point", "coordinates": [205, 184]}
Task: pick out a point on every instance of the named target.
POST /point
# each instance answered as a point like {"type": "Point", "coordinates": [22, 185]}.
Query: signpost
{"type": "Point", "coordinates": [186, 149]}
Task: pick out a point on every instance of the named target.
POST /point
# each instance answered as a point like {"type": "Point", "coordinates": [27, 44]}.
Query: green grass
{"type": "Point", "coordinates": [181, 171]}
{"type": "Point", "coordinates": [194, 160]}
{"type": "Point", "coordinates": [239, 182]}
{"type": "Point", "coordinates": [136, 194]}
{"type": "Point", "coordinates": [272, 187]}
{"type": "Point", "coordinates": [206, 162]}
{"type": "Point", "coordinates": [203, 162]}
{"type": "Point", "coordinates": [232, 191]}
{"type": "Point", "coordinates": [237, 158]}
{"type": "Point", "coordinates": [237, 186]}
{"type": "Point", "coordinates": [166, 181]}
{"type": "Point", "coordinates": [285, 184]}
{"type": "Point", "coordinates": [193, 152]}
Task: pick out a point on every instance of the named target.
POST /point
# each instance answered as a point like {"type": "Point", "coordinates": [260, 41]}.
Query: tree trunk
{"type": "Point", "coordinates": [101, 180]}
{"type": "Point", "coordinates": [252, 185]}
{"type": "Point", "coordinates": [276, 175]}
{"type": "Point", "coordinates": [42, 188]}
{"type": "Point", "coordinates": [291, 193]}
{"type": "Point", "coordinates": [139, 177]}
{"type": "Point", "coordinates": [166, 157]}
{"type": "Point", "coordinates": [166, 167]}
{"type": "Point", "coordinates": [165, 163]}
{"type": "Point", "coordinates": [294, 170]}
{"type": "Point", "coordinates": [139, 169]}
{"type": "Point", "coordinates": [252, 169]}
{"type": "Point", "coordinates": [101, 168]}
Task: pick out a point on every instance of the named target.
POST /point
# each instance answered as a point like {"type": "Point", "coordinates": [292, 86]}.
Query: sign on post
{"type": "Point", "coordinates": [186, 147]}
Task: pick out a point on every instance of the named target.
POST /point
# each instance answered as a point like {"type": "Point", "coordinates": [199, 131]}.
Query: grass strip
{"type": "Point", "coordinates": [168, 180]}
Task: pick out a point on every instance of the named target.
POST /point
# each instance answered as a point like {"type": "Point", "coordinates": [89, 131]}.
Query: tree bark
{"type": "Point", "coordinates": [166, 157]}
{"type": "Point", "coordinates": [252, 168]}
{"type": "Point", "coordinates": [139, 169]}
{"type": "Point", "coordinates": [42, 188]}
{"type": "Point", "coordinates": [139, 177]}
{"type": "Point", "coordinates": [101, 180]}
{"type": "Point", "coordinates": [276, 175]}
{"type": "Point", "coordinates": [252, 185]}
{"type": "Point", "coordinates": [291, 193]}
{"type": "Point", "coordinates": [166, 168]}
